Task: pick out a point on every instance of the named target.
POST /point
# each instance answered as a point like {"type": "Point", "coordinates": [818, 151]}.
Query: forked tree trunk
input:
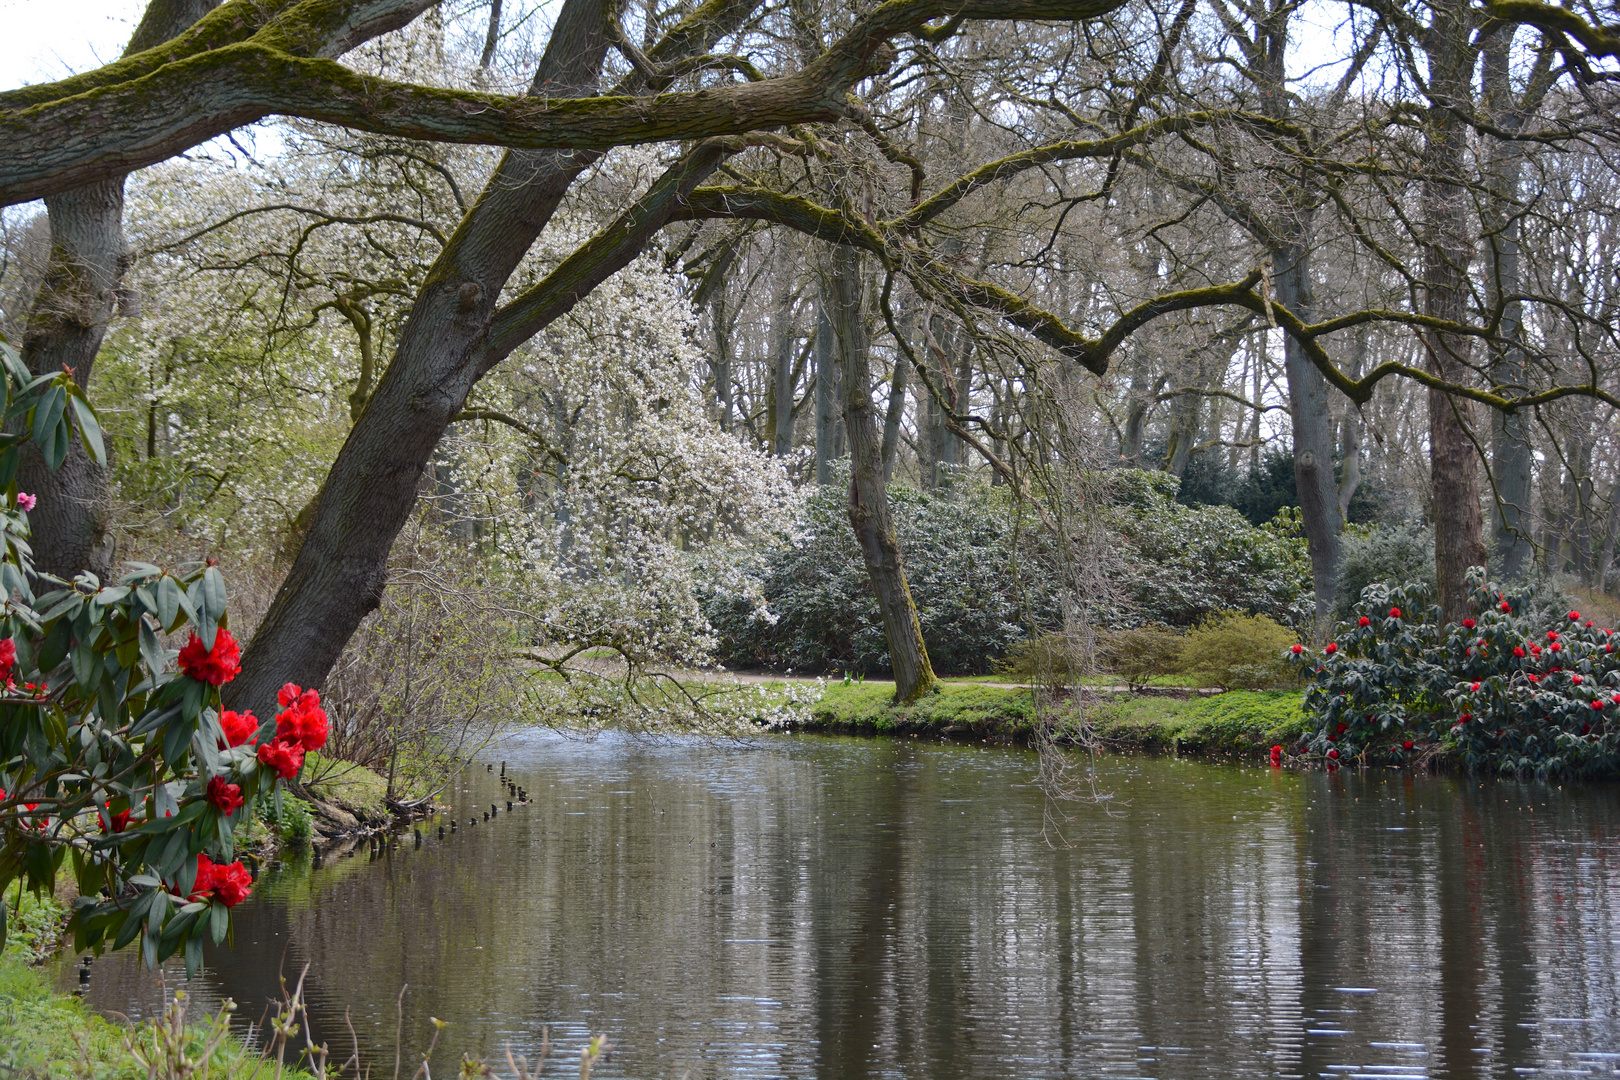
{"type": "Point", "coordinates": [868, 494]}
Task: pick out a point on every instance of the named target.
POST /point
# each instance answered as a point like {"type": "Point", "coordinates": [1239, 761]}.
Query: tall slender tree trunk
{"type": "Point", "coordinates": [1511, 457]}
{"type": "Point", "coordinates": [1459, 541]}
{"type": "Point", "coordinates": [782, 378]}
{"type": "Point", "coordinates": [1310, 408]}
{"type": "Point", "coordinates": [828, 397]}
{"type": "Point", "coordinates": [868, 494]}
{"type": "Point", "coordinates": [71, 527]}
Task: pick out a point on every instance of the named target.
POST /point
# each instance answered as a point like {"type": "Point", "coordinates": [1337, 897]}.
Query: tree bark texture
{"type": "Point", "coordinates": [1511, 456]}
{"type": "Point", "coordinates": [1459, 540]}
{"type": "Point", "coordinates": [71, 526]}
{"type": "Point", "coordinates": [1310, 408]}
{"type": "Point", "coordinates": [829, 401]}
{"type": "Point", "coordinates": [868, 494]}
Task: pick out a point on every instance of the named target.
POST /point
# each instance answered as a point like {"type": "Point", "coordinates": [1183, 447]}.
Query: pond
{"type": "Point", "coordinates": [843, 908]}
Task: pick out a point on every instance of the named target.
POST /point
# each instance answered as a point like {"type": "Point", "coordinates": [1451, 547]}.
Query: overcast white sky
{"type": "Point", "coordinates": [41, 40]}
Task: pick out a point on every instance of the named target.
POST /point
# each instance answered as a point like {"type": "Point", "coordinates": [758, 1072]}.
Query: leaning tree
{"type": "Point", "coordinates": [778, 114]}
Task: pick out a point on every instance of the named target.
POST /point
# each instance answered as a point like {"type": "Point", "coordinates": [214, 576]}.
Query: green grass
{"type": "Point", "coordinates": [355, 788]}
{"type": "Point", "coordinates": [45, 1035]}
{"type": "Point", "coordinates": [1237, 722]}
{"type": "Point", "coordinates": [958, 709]}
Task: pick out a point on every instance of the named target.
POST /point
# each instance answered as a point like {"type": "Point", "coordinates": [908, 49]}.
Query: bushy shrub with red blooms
{"type": "Point", "coordinates": [1501, 702]}
{"type": "Point", "coordinates": [285, 758]}
{"type": "Point", "coordinates": [239, 727]}
{"type": "Point", "coordinates": [225, 796]}
{"type": "Point", "coordinates": [8, 657]}
{"type": "Point", "coordinates": [302, 720]}
{"type": "Point", "coordinates": [216, 666]}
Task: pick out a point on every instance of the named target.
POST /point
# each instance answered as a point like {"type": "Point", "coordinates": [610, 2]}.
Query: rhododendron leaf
{"type": "Point", "coordinates": [211, 598]}
{"type": "Point", "coordinates": [194, 945]}
{"type": "Point", "coordinates": [68, 605]}
{"type": "Point", "coordinates": [86, 664]}
{"type": "Point", "coordinates": [53, 650]}
{"type": "Point", "coordinates": [151, 649]}
{"type": "Point", "coordinates": [136, 573]}
{"type": "Point", "coordinates": [55, 448]}
{"type": "Point", "coordinates": [13, 363]}
{"type": "Point", "coordinates": [178, 736]}
{"type": "Point", "coordinates": [168, 601]}
{"type": "Point", "coordinates": [133, 920]}
{"type": "Point", "coordinates": [219, 920]}
{"type": "Point", "coordinates": [89, 428]}
{"type": "Point", "coordinates": [149, 951]}
{"type": "Point", "coordinates": [48, 415]}
{"type": "Point", "coordinates": [156, 718]}
{"type": "Point", "coordinates": [109, 596]}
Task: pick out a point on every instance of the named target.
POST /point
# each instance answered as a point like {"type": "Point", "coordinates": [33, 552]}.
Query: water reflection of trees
{"type": "Point", "coordinates": [848, 909]}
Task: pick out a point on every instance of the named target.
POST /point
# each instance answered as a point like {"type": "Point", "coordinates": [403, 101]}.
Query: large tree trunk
{"type": "Point", "coordinates": [868, 494]}
{"type": "Point", "coordinates": [451, 339]}
{"type": "Point", "coordinates": [71, 527]}
{"type": "Point", "coordinates": [1459, 541]}
{"type": "Point", "coordinates": [1312, 414]}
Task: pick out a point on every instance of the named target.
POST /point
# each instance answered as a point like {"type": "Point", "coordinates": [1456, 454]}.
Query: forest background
{"type": "Point", "coordinates": [844, 337]}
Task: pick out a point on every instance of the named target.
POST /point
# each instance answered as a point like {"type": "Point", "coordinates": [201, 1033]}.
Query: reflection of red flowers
{"type": "Point", "coordinates": [284, 757]}
{"type": "Point", "coordinates": [239, 727]}
{"type": "Point", "coordinates": [1364, 621]}
{"type": "Point", "coordinates": [227, 797]}
{"type": "Point", "coordinates": [216, 666]}
{"type": "Point", "coordinates": [302, 720]}
{"type": "Point", "coordinates": [1276, 755]}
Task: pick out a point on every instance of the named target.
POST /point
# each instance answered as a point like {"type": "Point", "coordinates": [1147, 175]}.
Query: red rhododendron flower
{"type": "Point", "coordinates": [1597, 704]}
{"type": "Point", "coordinates": [1407, 745]}
{"type": "Point", "coordinates": [1333, 753]}
{"type": "Point", "coordinates": [1574, 616]}
{"type": "Point", "coordinates": [1474, 687]}
{"type": "Point", "coordinates": [1364, 621]}
{"type": "Point", "coordinates": [1533, 678]}
{"type": "Point", "coordinates": [303, 721]}
{"type": "Point", "coordinates": [1518, 651]}
{"type": "Point", "coordinates": [1394, 612]}
{"type": "Point", "coordinates": [1552, 635]}
{"type": "Point", "coordinates": [1535, 650]}
{"type": "Point", "coordinates": [8, 656]}
{"type": "Point", "coordinates": [1468, 624]}
{"type": "Point", "coordinates": [284, 757]}
{"type": "Point", "coordinates": [1615, 698]}
{"type": "Point", "coordinates": [1464, 718]}
{"type": "Point", "coordinates": [1557, 646]}
{"type": "Point", "coordinates": [1576, 679]}
{"type": "Point", "coordinates": [119, 821]}
{"type": "Point", "coordinates": [216, 666]}
{"type": "Point", "coordinates": [231, 884]}
{"type": "Point", "coordinates": [239, 727]}
{"type": "Point", "coordinates": [227, 797]}
{"type": "Point", "coordinates": [1296, 649]}
{"type": "Point", "coordinates": [1507, 607]}
{"type": "Point", "coordinates": [1332, 647]}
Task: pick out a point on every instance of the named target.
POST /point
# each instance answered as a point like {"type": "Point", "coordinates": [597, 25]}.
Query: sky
{"type": "Point", "coordinates": [43, 40]}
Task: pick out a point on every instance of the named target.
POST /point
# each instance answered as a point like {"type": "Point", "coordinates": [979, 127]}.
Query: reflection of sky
{"type": "Point", "coordinates": [852, 908]}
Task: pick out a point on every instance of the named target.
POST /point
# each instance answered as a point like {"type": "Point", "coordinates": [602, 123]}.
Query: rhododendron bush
{"type": "Point", "coordinates": [115, 757]}
{"type": "Point", "coordinates": [1510, 689]}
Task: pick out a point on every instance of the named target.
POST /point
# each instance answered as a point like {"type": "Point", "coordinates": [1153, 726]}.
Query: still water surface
{"type": "Point", "coordinates": [841, 908]}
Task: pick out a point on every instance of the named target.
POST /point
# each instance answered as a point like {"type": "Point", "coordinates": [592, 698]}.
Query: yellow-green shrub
{"type": "Point", "coordinates": [1232, 650]}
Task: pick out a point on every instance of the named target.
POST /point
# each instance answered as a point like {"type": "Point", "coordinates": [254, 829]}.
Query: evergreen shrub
{"type": "Point", "coordinates": [1514, 688]}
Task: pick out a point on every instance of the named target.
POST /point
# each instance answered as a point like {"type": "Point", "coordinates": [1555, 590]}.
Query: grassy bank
{"type": "Point", "coordinates": [1238, 722]}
